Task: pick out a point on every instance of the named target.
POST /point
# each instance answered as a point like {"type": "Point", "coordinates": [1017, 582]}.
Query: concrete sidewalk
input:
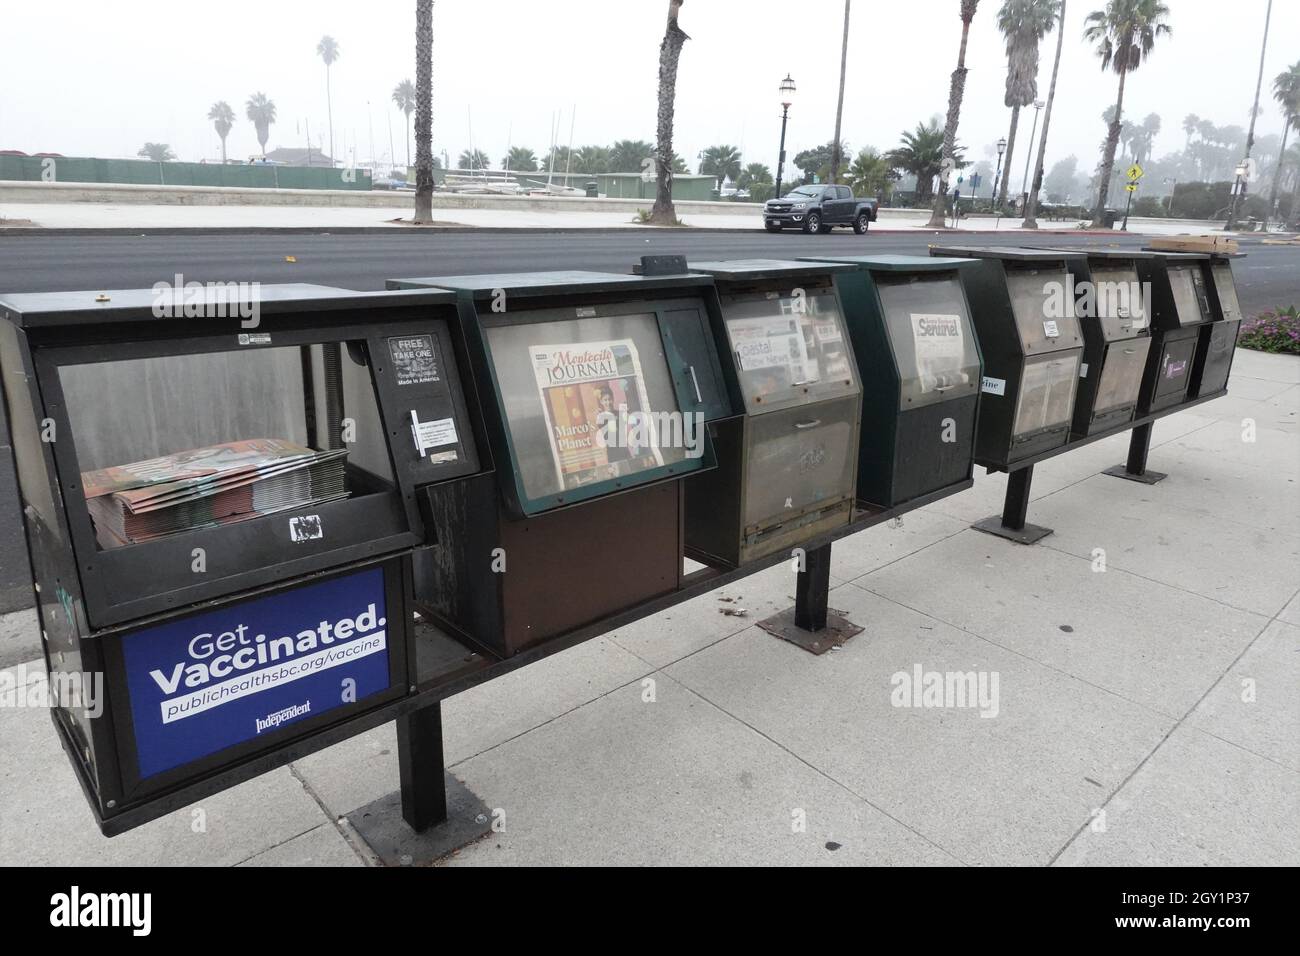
{"type": "Point", "coordinates": [1146, 714]}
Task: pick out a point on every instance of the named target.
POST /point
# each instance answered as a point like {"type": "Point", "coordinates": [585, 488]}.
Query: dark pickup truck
{"type": "Point", "coordinates": [819, 209]}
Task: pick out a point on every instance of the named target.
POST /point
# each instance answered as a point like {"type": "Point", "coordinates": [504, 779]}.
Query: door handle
{"type": "Point", "coordinates": [699, 399]}
{"type": "Point", "coordinates": [812, 424]}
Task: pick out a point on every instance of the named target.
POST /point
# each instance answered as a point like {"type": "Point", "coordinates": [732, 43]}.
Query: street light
{"type": "Point", "coordinates": [787, 97]}
{"type": "Point", "coordinates": [1038, 105]}
{"type": "Point", "coordinates": [1002, 148]}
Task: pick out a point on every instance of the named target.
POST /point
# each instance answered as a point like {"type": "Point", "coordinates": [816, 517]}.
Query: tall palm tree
{"type": "Point", "coordinates": [1286, 90]}
{"type": "Point", "coordinates": [328, 50]}
{"type": "Point", "coordinates": [1124, 32]}
{"type": "Point", "coordinates": [261, 111]}
{"type": "Point", "coordinates": [423, 110]}
{"type": "Point", "coordinates": [1031, 201]}
{"type": "Point", "coordinates": [1190, 122]}
{"type": "Point", "coordinates": [670, 51]}
{"type": "Point", "coordinates": [158, 152]}
{"type": "Point", "coordinates": [1239, 194]}
{"type": "Point", "coordinates": [1023, 24]}
{"type": "Point", "coordinates": [223, 118]}
{"type": "Point", "coordinates": [722, 163]}
{"type": "Point", "coordinates": [836, 148]}
{"type": "Point", "coordinates": [956, 89]}
{"type": "Point", "coordinates": [404, 99]}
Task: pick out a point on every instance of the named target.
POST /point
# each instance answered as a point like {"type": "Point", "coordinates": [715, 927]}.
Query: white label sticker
{"type": "Point", "coordinates": [254, 338]}
{"type": "Point", "coordinates": [1083, 370]}
{"type": "Point", "coordinates": [993, 386]}
{"type": "Point", "coordinates": [1049, 328]}
{"type": "Point", "coordinates": [435, 434]}
{"type": "Point", "coordinates": [443, 457]}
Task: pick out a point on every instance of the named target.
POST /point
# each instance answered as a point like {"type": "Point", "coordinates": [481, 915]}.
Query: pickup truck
{"type": "Point", "coordinates": [819, 208]}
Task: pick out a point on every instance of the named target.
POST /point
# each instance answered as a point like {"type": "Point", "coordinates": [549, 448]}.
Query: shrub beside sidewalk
{"type": "Point", "coordinates": [1276, 331]}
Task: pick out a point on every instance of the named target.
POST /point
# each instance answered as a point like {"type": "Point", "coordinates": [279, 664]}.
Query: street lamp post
{"type": "Point", "coordinates": [1024, 183]}
{"type": "Point", "coordinates": [787, 97]}
{"type": "Point", "coordinates": [1002, 148]}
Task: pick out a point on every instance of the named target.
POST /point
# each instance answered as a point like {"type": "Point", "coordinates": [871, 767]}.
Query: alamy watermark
{"type": "Point", "coordinates": [946, 689]}
{"type": "Point", "coordinates": [208, 300]}
{"type": "Point", "coordinates": [67, 690]}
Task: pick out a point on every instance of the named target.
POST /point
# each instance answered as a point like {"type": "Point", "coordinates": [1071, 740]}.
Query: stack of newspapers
{"type": "Point", "coordinates": [216, 485]}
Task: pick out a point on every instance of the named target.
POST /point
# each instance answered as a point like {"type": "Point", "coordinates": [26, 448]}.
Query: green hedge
{"type": "Point", "coordinates": [144, 173]}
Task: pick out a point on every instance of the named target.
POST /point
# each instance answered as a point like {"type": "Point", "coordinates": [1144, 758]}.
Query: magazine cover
{"type": "Point", "coordinates": [190, 468]}
{"type": "Point", "coordinates": [597, 412]}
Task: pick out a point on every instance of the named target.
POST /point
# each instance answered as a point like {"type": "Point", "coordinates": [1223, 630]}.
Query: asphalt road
{"type": "Point", "coordinates": [1269, 276]}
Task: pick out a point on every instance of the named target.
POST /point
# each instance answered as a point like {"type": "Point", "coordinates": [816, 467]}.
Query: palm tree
{"type": "Point", "coordinates": [1124, 32]}
{"type": "Point", "coordinates": [956, 89]}
{"type": "Point", "coordinates": [1239, 194]}
{"type": "Point", "coordinates": [1190, 122]}
{"type": "Point", "coordinates": [753, 173]}
{"type": "Point", "coordinates": [158, 152]}
{"type": "Point", "coordinates": [404, 98]}
{"type": "Point", "coordinates": [223, 118]}
{"type": "Point", "coordinates": [721, 162]}
{"type": "Point", "coordinates": [520, 159]}
{"type": "Point", "coordinates": [627, 155]}
{"type": "Point", "coordinates": [423, 110]}
{"type": "Point", "coordinates": [1286, 90]}
{"type": "Point", "coordinates": [670, 51]}
{"type": "Point", "coordinates": [920, 155]}
{"type": "Point", "coordinates": [1031, 201]}
{"type": "Point", "coordinates": [591, 160]}
{"type": "Point", "coordinates": [836, 148]}
{"type": "Point", "coordinates": [870, 174]}
{"type": "Point", "coordinates": [1023, 24]}
{"type": "Point", "coordinates": [473, 159]}
{"type": "Point", "coordinates": [328, 50]}
{"type": "Point", "coordinates": [262, 113]}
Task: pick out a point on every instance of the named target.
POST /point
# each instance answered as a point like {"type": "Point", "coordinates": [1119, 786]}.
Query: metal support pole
{"type": "Point", "coordinates": [420, 764]}
{"type": "Point", "coordinates": [1016, 505]}
{"type": "Point", "coordinates": [1011, 523]}
{"type": "Point", "coordinates": [1135, 469]}
{"type": "Point", "coordinates": [812, 590]}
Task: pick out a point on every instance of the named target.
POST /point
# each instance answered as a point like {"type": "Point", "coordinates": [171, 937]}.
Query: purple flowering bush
{"type": "Point", "coordinates": [1276, 331]}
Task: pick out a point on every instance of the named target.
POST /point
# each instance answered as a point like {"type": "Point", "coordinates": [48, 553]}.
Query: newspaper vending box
{"type": "Point", "coordinates": [1181, 314]}
{"type": "Point", "coordinates": [786, 467]}
{"type": "Point", "coordinates": [1215, 351]}
{"type": "Point", "coordinates": [595, 391]}
{"type": "Point", "coordinates": [1032, 348]}
{"type": "Point", "coordinates": [1117, 337]}
{"type": "Point", "coordinates": [219, 499]}
{"type": "Point", "coordinates": [919, 360]}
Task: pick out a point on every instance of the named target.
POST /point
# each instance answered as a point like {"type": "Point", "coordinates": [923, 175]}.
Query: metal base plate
{"type": "Point", "coordinates": [1026, 535]}
{"type": "Point", "coordinates": [837, 631]}
{"type": "Point", "coordinates": [381, 825]}
{"type": "Point", "coordinates": [1147, 477]}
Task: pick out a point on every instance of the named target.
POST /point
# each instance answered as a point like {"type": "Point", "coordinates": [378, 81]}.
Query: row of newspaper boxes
{"type": "Point", "coordinates": [234, 506]}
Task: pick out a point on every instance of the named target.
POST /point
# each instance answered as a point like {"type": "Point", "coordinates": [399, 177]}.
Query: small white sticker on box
{"type": "Point", "coordinates": [1083, 370]}
{"type": "Point", "coordinates": [993, 386]}
{"type": "Point", "coordinates": [1050, 329]}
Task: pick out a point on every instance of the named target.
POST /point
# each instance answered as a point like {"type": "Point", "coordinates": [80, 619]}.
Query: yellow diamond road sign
{"type": "Point", "coordinates": [1134, 172]}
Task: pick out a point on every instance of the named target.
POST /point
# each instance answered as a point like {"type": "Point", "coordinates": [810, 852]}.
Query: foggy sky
{"type": "Point", "coordinates": [99, 79]}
